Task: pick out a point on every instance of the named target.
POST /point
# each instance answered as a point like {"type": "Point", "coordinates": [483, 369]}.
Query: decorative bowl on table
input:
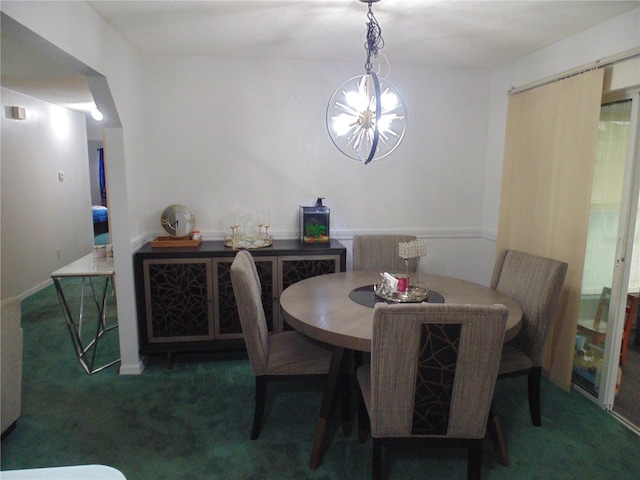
{"type": "Point", "coordinates": [412, 294]}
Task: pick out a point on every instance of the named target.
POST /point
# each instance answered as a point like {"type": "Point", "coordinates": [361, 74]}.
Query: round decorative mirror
{"type": "Point", "coordinates": [177, 220]}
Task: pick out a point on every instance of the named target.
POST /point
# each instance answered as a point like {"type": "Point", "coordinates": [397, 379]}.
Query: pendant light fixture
{"type": "Point", "coordinates": [366, 117]}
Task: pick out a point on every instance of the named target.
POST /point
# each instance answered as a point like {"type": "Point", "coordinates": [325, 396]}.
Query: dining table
{"type": "Point", "coordinates": [337, 309]}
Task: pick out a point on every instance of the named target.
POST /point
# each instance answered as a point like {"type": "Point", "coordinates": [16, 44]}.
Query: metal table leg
{"type": "Point", "coordinates": [86, 354]}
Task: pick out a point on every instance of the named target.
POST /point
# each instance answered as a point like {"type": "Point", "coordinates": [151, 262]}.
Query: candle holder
{"type": "Point", "coordinates": [386, 288]}
{"type": "Point", "coordinates": [239, 240]}
{"type": "Point", "coordinates": [413, 249]}
{"type": "Point", "coordinates": [234, 236]}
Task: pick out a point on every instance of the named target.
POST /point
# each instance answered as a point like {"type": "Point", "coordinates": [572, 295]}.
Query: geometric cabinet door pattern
{"type": "Point", "coordinates": [178, 300]}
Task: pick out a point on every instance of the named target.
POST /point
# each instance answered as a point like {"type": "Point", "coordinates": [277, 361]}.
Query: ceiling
{"type": "Point", "coordinates": [451, 33]}
{"type": "Point", "coordinates": [447, 33]}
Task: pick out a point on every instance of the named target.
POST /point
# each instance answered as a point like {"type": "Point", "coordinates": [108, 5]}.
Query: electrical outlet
{"type": "Point", "coordinates": [58, 254]}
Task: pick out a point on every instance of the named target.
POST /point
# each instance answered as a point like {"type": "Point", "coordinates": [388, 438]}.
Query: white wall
{"type": "Point", "coordinates": [40, 213]}
{"type": "Point", "coordinates": [75, 28]}
{"type": "Point", "coordinates": [255, 137]}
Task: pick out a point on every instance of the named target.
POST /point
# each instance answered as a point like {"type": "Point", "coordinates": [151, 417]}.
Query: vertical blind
{"type": "Point", "coordinates": [547, 178]}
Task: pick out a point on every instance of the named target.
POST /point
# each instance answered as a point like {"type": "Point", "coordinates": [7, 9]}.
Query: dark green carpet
{"type": "Point", "coordinates": [193, 422]}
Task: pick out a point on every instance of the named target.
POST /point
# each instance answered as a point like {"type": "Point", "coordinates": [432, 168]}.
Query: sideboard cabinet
{"type": "Point", "coordinates": [185, 298]}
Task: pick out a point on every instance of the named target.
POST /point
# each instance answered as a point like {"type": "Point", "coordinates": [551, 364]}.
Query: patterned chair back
{"type": "Point", "coordinates": [434, 369]}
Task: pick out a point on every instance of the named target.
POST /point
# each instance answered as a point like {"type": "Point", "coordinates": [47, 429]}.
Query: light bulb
{"type": "Point", "coordinates": [96, 115]}
{"type": "Point", "coordinates": [388, 100]}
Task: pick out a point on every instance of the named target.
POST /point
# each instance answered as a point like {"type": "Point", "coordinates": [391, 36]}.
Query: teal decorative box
{"type": "Point", "coordinates": [314, 223]}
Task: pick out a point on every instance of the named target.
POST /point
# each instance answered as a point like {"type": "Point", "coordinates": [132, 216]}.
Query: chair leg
{"type": "Point", "coordinates": [376, 463]}
{"type": "Point", "coordinates": [345, 401]}
{"type": "Point", "coordinates": [474, 460]}
{"type": "Point", "coordinates": [496, 436]}
{"type": "Point", "coordinates": [363, 419]}
{"type": "Point", "coordinates": [534, 395]}
{"type": "Point", "coordinates": [261, 396]}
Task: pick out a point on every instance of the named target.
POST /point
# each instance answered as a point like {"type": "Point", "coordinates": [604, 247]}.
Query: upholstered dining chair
{"type": "Point", "coordinates": [380, 253]}
{"type": "Point", "coordinates": [275, 355]}
{"type": "Point", "coordinates": [534, 282]}
{"type": "Point", "coordinates": [431, 378]}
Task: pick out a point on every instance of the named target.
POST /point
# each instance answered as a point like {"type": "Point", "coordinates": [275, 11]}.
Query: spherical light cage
{"type": "Point", "coordinates": [366, 118]}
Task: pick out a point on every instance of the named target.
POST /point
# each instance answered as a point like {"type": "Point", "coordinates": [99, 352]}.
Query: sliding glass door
{"type": "Point", "coordinates": [608, 262]}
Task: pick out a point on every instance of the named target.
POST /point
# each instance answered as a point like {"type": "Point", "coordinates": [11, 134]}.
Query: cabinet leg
{"type": "Point", "coordinates": [169, 360]}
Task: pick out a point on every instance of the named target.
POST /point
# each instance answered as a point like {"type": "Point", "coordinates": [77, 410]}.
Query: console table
{"type": "Point", "coordinates": [85, 268]}
{"type": "Point", "coordinates": [185, 298]}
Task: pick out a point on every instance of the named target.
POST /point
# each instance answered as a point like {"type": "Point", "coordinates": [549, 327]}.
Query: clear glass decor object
{"type": "Point", "coordinates": [239, 240]}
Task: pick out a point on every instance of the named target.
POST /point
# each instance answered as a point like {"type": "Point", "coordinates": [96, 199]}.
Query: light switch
{"type": "Point", "coordinates": [18, 113]}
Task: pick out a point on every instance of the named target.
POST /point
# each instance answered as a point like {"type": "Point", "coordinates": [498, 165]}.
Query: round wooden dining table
{"type": "Point", "coordinates": [322, 308]}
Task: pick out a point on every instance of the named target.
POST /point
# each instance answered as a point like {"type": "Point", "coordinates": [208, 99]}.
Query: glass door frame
{"type": "Point", "coordinates": [624, 250]}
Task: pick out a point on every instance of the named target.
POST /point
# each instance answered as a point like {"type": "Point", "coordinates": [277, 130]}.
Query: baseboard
{"type": "Point", "coordinates": [35, 289]}
{"type": "Point", "coordinates": [133, 368]}
{"type": "Point", "coordinates": [634, 428]}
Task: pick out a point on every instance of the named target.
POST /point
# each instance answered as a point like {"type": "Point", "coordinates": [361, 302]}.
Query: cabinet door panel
{"type": "Point", "coordinates": [178, 299]}
{"type": "Point", "coordinates": [294, 269]}
{"type": "Point", "coordinates": [228, 322]}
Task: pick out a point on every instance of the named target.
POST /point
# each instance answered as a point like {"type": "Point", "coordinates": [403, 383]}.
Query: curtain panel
{"type": "Point", "coordinates": [549, 157]}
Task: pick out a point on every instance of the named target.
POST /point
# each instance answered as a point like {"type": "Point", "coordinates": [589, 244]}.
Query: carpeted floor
{"type": "Point", "coordinates": [193, 422]}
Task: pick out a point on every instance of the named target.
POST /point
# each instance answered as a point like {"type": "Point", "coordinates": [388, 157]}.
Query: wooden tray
{"type": "Point", "coordinates": [175, 242]}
